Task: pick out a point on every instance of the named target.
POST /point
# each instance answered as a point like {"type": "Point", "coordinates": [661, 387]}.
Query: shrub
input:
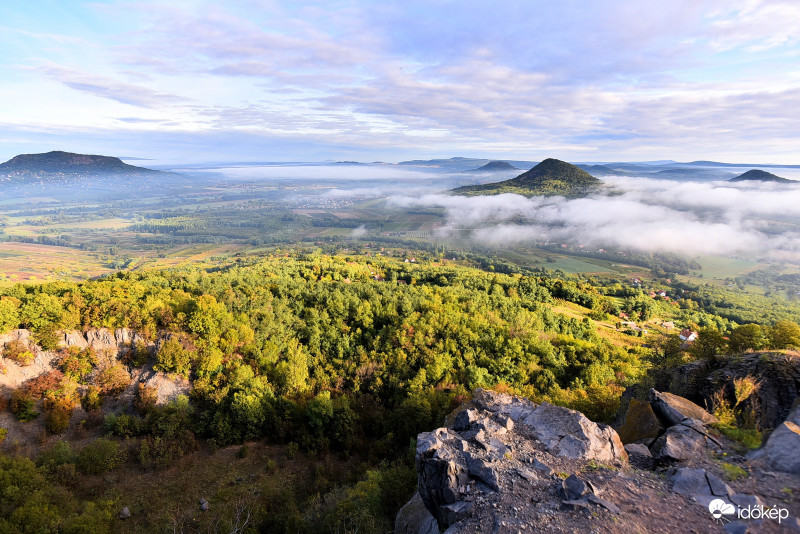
{"type": "Point", "coordinates": [39, 385]}
{"type": "Point", "coordinates": [113, 379]}
{"type": "Point", "coordinates": [173, 358]}
{"type": "Point", "coordinates": [100, 456]}
{"type": "Point", "coordinates": [23, 406]}
{"type": "Point", "coordinates": [59, 454]}
{"type": "Point", "coordinates": [124, 425]}
{"type": "Point", "coordinates": [91, 400]}
{"type": "Point", "coordinates": [18, 352]}
{"type": "Point", "coordinates": [57, 414]}
{"type": "Point", "coordinates": [47, 339]}
{"type": "Point", "coordinates": [77, 364]}
{"type": "Point", "coordinates": [140, 354]}
{"type": "Point", "coordinates": [160, 453]}
{"type": "Point", "coordinates": [146, 397]}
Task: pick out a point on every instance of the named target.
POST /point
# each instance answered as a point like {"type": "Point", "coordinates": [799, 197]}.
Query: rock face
{"type": "Point", "coordinates": [670, 427]}
{"type": "Point", "coordinates": [781, 451]}
{"type": "Point", "coordinates": [639, 423]}
{"type": "Point", "coordinates": [778, 375]}
{"type": "Point", "coordinates": [674, 409]}
{"type": "Point", "coordinates": [571, 434]}
{"type": "Point", "coordinates": [498, 443]}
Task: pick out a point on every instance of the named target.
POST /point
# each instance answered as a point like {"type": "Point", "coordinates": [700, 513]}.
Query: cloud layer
{"type": "Point", "coordinates": [761, 220]}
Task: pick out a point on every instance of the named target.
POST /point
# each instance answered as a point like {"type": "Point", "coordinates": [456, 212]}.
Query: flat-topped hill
{"type": "Point", "coordinates": [58, 164]}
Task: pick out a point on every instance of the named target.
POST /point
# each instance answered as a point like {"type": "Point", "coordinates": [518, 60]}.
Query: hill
{"type": "Point", "coordinates": [756, 175]}
{"type": "Point", "coordinates": [58, 164]}
{"type": "Point", "coordinates": [602, 170]}
{"type": "Point", "coordinates": [550, 177]}
{"type": "Point", "coordinates": [496, 166]}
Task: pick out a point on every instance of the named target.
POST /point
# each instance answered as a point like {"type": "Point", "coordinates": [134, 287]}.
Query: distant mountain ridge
{"type": "Point", "coordinates": [57, 164]}
{"type": "Point", "coordinates": [550, 177]}
{"type": "Point", "coordinates": [757, 175]}
{"type": "Point", "coordinates": [496, 166]}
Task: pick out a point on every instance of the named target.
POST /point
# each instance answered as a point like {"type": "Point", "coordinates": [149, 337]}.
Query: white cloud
{"type": "Point", "coordinates": [654, 215]}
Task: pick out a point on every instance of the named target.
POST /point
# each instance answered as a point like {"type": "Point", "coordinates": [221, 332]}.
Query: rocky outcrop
{"type": "Point", "coordinates": [778, 375]}
{"type": "Point", "coordinates": [673, 409]}
{"type": "Point", "coordinates": [500, 444]}
{"type": "Point", "coordinates": [672, 428]}
{"type": "Point", "coordinates": [506, 465]}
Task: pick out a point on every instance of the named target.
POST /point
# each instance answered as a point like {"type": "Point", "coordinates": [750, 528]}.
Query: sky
{"type": "Point", "coordinates": [279, 80]}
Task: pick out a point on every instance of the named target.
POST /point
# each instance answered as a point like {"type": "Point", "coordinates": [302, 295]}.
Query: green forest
{"type": "Point", "coordinates": [338, 361]}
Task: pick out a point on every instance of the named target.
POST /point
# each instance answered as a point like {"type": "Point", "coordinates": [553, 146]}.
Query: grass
{"type": "Point", "coordinates": [733, 472]}
{"type": "Point", "coordinates": [720, 267]}
{"type": "Point", "coordinates": [748, 437]}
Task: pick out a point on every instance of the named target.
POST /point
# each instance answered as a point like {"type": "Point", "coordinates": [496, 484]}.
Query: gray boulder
{"type": "Point", "coordinates": [697, 484]}
{"type": "Point", "coordinates": [571, 434]}
{"type": "Point", "coordinates": [639, 423]}
{"type": "Point", "coordinates": [781, 450]}
{"type": "Point", "coordinates": [639, 456]}
{"type": "Point", "coordinates": [414, 518]}
{"type": "Point", "coordinates": [679, 443]}
{"type": "Point", "coordinates": [674, 409]}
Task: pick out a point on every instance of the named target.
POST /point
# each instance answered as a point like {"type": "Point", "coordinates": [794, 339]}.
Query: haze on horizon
{"type": "Point", "coordinates": [248, 80]}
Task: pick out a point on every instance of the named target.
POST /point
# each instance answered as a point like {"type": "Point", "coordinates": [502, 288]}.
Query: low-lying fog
{"type": "Point", "coordinates": [751, 219]}
{"type": "Point", "coordinates": [754, 219]}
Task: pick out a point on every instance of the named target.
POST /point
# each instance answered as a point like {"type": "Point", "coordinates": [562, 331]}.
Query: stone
{"type": "Point", "coordinates": [484, 471]}
{"type": "Point", "coordinates": [526, 474]}
{"type": "Point", "coordinates": [505, 421]}
{"type": "Point", "coordinates": [570, 433]}
{"type": "Point", "coordinates": [639, 456]}
{"type": "Point", "coordinates": [203, 504]}
{"type": "Point", "coordinates": [74, 339]}
{"type": "Point", "coordinates": [577, 504]}
{"type": "Point", "coordinates": [516, 408]}
{"type": "Point", "coordinates": [414, 518]}
{"type": "Point", "coordinates": [608, 505]}
{"type": "Point", "coordinates": [780, 451]}
{"type": "Point", "coordinates": [640, 422]}
{"type": "Point", "coordinates": [543, 467]}
{"type": "Point", "coordinates": [574, 488]}
{"type": "Point", "coordinates": [456, 512]}
{"type": "Point", "coordinates": [464, 419]}
{"type": "Point", "coordinates": [673, 409]}
{"type": "Point", "coordinates": [101, 339]}
{"type": "Point", "coordinates": [717, 486]}
{"type": "Point", "coordinates": [689, 481]}
{"type": "Point", "coordinates": [441, 472]}
{"type": "Point", "coordinates": [494, 448]}
{"type": "Point", "coordinates": [679, 443]}
{"type": "Point", "coordinates": [125, 513]}
{"type": "Point", "coordinates": [697, 484]}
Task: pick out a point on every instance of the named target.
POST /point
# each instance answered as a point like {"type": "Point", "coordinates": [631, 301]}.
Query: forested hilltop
{"type": "Point", "coordinates": [337, 360]}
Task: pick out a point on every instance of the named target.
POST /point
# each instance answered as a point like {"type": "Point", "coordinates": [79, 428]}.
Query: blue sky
{"type": "Point", "coordinates": [262, 80]}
